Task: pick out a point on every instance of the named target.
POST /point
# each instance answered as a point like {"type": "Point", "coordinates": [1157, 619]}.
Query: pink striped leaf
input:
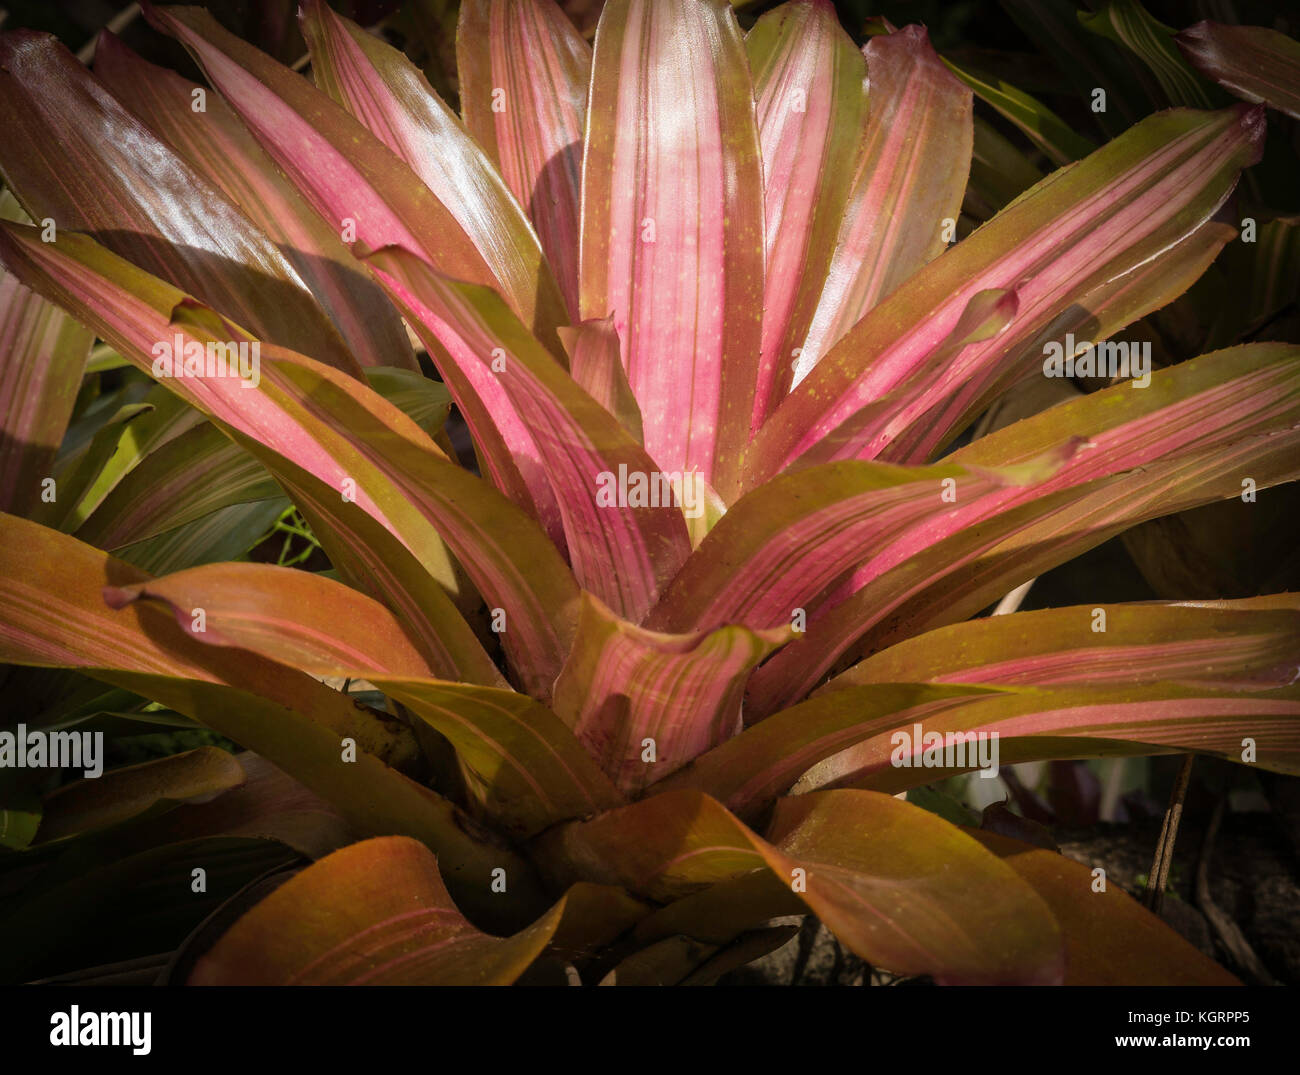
{"type": "Point", "coordinates": [381, 88]}
{"type": "Point", "coordinates": [868, 736]}
{"type": "Point", "coordinates": [53, 614]}
{"type": "Point", "coordinates": [810, 93]}
{"type": "Point", "coordinates": [297, 618]}
{"type": "Point", "coordinates": [749, 771]}
{"type": "Point", "coordinates": [596, 363]}
{"type": "Point", "coordinates": [921, 416]}
{"type": "Point", "coordinates": [42, 354]}
{"type": "Point", "coordinates": [644, 703]}
{"type": "Point", "coordinates": [371, 558]}
{"type": "Point", "coordinates": [899, 886]}
{"type": "Point", "coordinates": [1074, 232]}
{"type": "Point", "coordinates": [1144, 462]}
{"type": "Point", "coordinates": [914, 434]}
{"type": "Point", "coordinates": [524, 71]}
{"type": "Point", "coordinates": [1032, 724]}
{"type": "Point", "coordinates": [424, 499]}
{"type": "Point", "coordinates": [1253, 62]}
{"type": "Point", "coordinates": [372, 913]}
{"type": "Point", "coordinates": [504, 444]}
{"type": "Point", "coordinates": [907, 184]}
{"type": "Point", "coordinates": [302, 417]}
{"type": "Point", "coordinates": [114, 178]}
{"type": "Point", "coordinates": [971, 575]}
{"type": "Point", "coordinates": [672, 234]}
{"type": "Point", "coordinates": [389, 94]}
{"type": "Point", "coordinates": [526, 767]}
{"type": "Point", "coordinates": [347, 173]}
{"type": "Point", "coordinates": [218, 147]}
{"type": "Point", "coordinates": [622, 551]}
{"type": "Point", "coordinates": [1246, 644]}
{"type": "Point", "coordinates": [825, 518]}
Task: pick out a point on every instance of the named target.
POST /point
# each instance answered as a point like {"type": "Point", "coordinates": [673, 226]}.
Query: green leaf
{"type": "Point", "coordinates": [1056, 138]}
{"type": "Point", "coordinates": [136, 791]}
{"type": "Point", "coordinates": [1129, 24]}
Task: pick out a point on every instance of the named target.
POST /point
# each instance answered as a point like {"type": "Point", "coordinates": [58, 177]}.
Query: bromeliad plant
{"type": "Point", "coordinates": [634, 691]}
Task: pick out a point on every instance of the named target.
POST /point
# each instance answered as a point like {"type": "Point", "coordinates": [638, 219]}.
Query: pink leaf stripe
{"type": "Point", "coordinates": [1033, 724]}
{"type": "Point", "coordinates": [910, 175]}
{"type": "Point", "coordinates": [596, 363]}
{"type": "Point", "coordinates": [1244, 644]}
{"type": "Point", "coordinates": [1095, 317]}
{"type": "Point", "coordinates": [839, 511]}
{"type": "Point", "coordinates": [621, 551]}
{"type": "Point", "coordinates": [217, 146]}
{"type": "Point", "coordinates": [390, 95]}
{"type": "Point", "coordinates": [1075, 231]}
{"type": "Point", "coordinates": [524, 72]}
{"type": "Point", "coordinates": [846, 736]}
{"type": "Point", "coordinates": [672, 233]}
{"type": "Point", "coordinates": [810, 94]}
{"type": "Point", "coordinates": [114, 178]}
{"type": "Point", "coordinates": [623, 685]}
